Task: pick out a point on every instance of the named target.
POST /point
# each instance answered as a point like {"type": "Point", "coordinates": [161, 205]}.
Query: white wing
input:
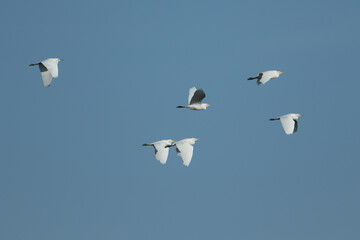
{"type": "Point", "coordinates": [161, 153]}
{"type": "Point", "coordinates": [185, 151]}
{"type": "Point", "coordinates": [266, 76]}
{"type": "Point", "coordinates": [47, 78]}
{"type": "Point", "coordinates": [52, 66]}
{"type": "Point", "coordinates": [288, 124]}
{"type": "Point", "coordinates": [191, 94]}
{"type": "Point", "coordinates": [46, 75]}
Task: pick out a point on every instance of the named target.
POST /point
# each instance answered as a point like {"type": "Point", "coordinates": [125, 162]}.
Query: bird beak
{"type": "Point", "coordinates": [209, 105]}
{"type": "Point", "coordinates": [281, 72]}
{"type": "Point", "coordinates": [301, 114]}
{"type": "Point", "coordinates": [61, 59]}
{"type": "Point", "coordinates": [196, 139]}
{"type": "Point", "coordinates": [173, 141]}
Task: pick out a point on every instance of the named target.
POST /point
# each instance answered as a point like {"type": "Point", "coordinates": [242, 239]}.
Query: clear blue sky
{"type": "Point", "coordinates": [71, 161]}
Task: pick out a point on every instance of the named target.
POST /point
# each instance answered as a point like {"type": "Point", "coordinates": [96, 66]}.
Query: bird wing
{"type": "Point", "coordinates": [52, 66]}
{"type": "Point", "coordinates": [266, 76]}
{"type": "Point", "coordinates": [296, 125]}
{"type": "Point", "coordinates": [199, 95]}
{"type": "Point", "coordinates": [288, 124]}
{"type": "Point", "coordinates": [191, 94]}
{"type": "Point", "coordinates": [185, 151]}
{"type": "Point", "coordinates": [161, 153]}
{"type": "Point", "coordinates": [46, 75]}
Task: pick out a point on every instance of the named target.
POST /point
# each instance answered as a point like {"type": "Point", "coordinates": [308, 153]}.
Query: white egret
{"type": "Point", "coordinates": [289, 122]}
{"type": "Point", "coordinates": [48, 69]}
{"type": "Point", "coordinates": [185, 149]}
{"type": "Point", "coordinates": [161, 149]}
{"type": "Point", "coordinates": [264, 77]}
{"type": "Point", "coordinates": [195, 100]}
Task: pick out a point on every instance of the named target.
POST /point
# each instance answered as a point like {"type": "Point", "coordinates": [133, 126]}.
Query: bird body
{"type": "Point", "coordinates": [264, 77]}
{"type": "Point", "coordinates": [195, 100]}
{"type": "Point", "coordinates": [289, 122]}
{"type": "Point", "coordinates": [48, 69]}
{"type": "Point", "coordinates": [185, 149]}
{"type": "Point", "coordinates": [197, 106]}
{"type": "Point", "coordinates": [161, 149]}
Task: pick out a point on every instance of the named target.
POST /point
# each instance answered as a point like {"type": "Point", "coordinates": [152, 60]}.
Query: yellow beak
{"type": "Point", "coordinates": [281, 72]}
{"type": "Point", "coordinates": [197, 139]}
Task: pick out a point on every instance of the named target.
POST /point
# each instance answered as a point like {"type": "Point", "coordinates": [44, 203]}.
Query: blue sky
{"type": "Point", "coordinates": [71, 161]}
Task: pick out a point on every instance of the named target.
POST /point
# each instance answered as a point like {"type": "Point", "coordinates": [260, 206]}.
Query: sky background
{"type": "Point", "coordinates": [71, 161]}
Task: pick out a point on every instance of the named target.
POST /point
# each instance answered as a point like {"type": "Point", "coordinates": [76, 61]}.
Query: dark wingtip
{"type": "Point", "coordinates": [180, 107]}
{"type": "Point", "coordinates": [273, 119]}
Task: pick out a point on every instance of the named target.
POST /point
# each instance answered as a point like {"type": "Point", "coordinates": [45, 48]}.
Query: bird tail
{"type": "Point", "coordinates": [145, 144]}
{"type": "Point", "coordinates": [272, 119]}
{"type": "Point", "coordinates": [180, 107]}
{"type": "Point", "coordinates": [252, 78]}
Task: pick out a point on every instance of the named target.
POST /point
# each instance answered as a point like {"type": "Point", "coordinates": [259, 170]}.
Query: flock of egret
{"type": "Point", "coordinates": [184, 147]}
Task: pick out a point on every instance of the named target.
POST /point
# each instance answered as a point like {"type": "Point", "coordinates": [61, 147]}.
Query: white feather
{"type": "Point", "coordinates": [47, 78]}
{"type": "Point", "coordinates": [162, 152]}
{"type": "Point", "coordinates": [269, 75]}
{"type": "Point", "coordinates": [191, 93]}
{"type": "Point", "coordinates": [52, 65]}
{"type": "Point", "coordinates": [288, 123]}
{"type": "Point", "coordinates": [185, 149]}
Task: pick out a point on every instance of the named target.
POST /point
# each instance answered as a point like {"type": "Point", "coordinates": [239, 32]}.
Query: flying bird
{"type": "Point", "coordinates": [185, 149]}
{"type": "Point", "coordinates": [289, 122]}
{"type": "Point", "coordinates": [195, 100]}
{"type": "Point", "coordinates": [264, 77]}
{"type": "Point", "coordinates": [48, 69]}
{"type": "Point", "coordinates": [161, 149]}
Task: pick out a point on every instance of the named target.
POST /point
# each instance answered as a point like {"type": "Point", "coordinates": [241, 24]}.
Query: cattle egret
{"type": "Point", "coordinates": [195, 100]}
{"type": "Point", "coordinates": [185, 149]}
{"type": "Point", "coordinates": [48, 69]}
{"type": "Point", "coordinates": [289, 122]}
{"type": "Point", "coordinates": [264, 77]}
{"type": "Point", "coordinates": [161, 149]}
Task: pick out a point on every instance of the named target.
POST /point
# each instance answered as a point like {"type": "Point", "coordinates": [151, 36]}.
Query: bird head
{"type": "Point", "coordinates": [297, 115]}
{"type": "Point", "coordinates": [205, 105]}
{"type": "Point", "coordinates": [192, 140]}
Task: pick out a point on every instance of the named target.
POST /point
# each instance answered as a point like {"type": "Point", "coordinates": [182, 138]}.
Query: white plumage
{"type": "Point", "coordinates": [161, 149]}
{"type": "Point", "coordinates": [48, 69]}
{"type": "Point", "coordinates": [185, 149]}
{"type": "Point", "coordinates": [195, 100]}
{"type": "Point", "coordinates": [264, 77]}
{"type": "Point", "coordinates": [191, 94]}
{"type": "Point", "coordinates": [289, 122]}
